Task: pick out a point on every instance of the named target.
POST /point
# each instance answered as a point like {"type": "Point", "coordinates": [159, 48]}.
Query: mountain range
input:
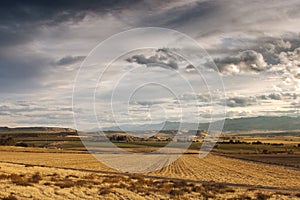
{"type": "Point", "coordinates": [262, 123]}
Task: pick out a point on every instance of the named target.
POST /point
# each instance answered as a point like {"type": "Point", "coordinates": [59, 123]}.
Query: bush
{"type": "Point", "coordinates": [36, 178]}
{"type": "Point", "coordinates": [7, 141]}
{"type": "Point", "coordinates": [19, 180]}
{"type": "Point", "coordinates": [176, 192]}
{"type": "Point", "coordinates": [81, 183]}
{"type": "Point", "coordinates": [297, 195]}
{"type": "Point", "coordinates": [262, 196]}
{"type": "Point", "coordinates": [257, 142]}
{"type": "Point", "coordinates": [104, 191]}
{"type": "Point", "coordinates": [265, 151]}
{"type": "Point", "coordinates": [65, 184]}
{"type": "Point", "coordinates": [21, 144]}
{"type": "Point", "coordinates": [241, 197]}
{"type": "Point", "coordinates": [10, 197]}
{"type": "Point", "coordinates": [3, 176]}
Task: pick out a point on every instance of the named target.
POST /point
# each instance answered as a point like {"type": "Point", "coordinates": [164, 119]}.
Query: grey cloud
{"type": "Point", "coordinates": [272, 54]}
{"type": "Point", "coordinates": [21, 20]}
{"type": "Point", "coordinates": [22, 73]}
{"type": "Point", "coordinates": [231, 114]}
{"type": "Point", "coordinates": [271, 47]}
{"type": "Point", "coordinates": [272, 96]}
{"type": "Point", "coordinates": [22, 67]}
{"type": "Point", "coordinates": [291, 95]}
{"type": "Point", "coordinates": [182, 14]}
{"type": "Point", "coordinates": [295, 105]}
{"type": "Point", "coordinates": [190, 68]}
{"type": "Point", "coordinates": [68, 60]}
{"type": "Point", "coordinates": [147, 103]}
{"type": "Point", "coordinates": [41, 111]}
{"type": "Point", "coordinates": [195, 97]}
{"type": "Point", "coordinates": [161, 58]}
{"type": "Point", "coordinates": [245, 61]}
{"type": "Point", "coordinates": [275, 96]}
{"type": "Point", "coordinates": [241, 101]}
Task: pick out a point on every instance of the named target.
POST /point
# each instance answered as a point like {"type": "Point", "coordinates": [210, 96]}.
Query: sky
{"type": "Point", "coordinates": [253, 47]}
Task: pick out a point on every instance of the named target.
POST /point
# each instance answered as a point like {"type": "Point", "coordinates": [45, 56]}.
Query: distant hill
{"type": "Point", "coordinates": [283, 123]}
{"type": "Point", "coordinates": [37, 130]}
{"type": "Point", "coordinates": [263, 123]}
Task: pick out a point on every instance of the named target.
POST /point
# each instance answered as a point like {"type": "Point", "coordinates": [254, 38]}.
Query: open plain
{"type": "Point", "coordinates": [36, 173]}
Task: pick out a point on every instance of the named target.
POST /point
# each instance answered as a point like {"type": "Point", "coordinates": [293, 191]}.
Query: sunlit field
{"type": "Point", "coordinates": [52, 173]}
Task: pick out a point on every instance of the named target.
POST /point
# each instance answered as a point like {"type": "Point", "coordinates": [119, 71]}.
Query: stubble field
{"type": "Point", "coordinates": [57, 174]}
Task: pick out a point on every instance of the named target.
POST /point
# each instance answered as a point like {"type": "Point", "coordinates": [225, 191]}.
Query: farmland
{"type": "Point", "coordinates": [73, 174]}
{"type": "Point", "coordinates": [57, 165]}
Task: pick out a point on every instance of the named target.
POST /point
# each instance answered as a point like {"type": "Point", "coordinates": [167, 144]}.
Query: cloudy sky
{"type": "Point", "coordinates": [254, 46]}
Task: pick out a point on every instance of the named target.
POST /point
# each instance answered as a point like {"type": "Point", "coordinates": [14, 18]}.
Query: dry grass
{"type": "Point", "coordinates": [45, 182]}
{"type": "Point", "coordinates": [67, 183]}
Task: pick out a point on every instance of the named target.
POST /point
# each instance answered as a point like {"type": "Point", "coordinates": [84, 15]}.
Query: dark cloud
{"type": "Point", "coordinates": [245, 61]}
{"type": "Point", "coordinates": [274, 54]}
{"type": "Point", "coordinates": [20, 73]}
{"type": "Point", "coordinates": [181, 15]}
{"type": "Point", "coordinates": [171, 14]}
{"type": "Point", "coordinates": [272, 96]}
{"type": "Point", "coordinates": [241, 101]}
{"type": "Point", "coordinates": [148, 103]}
{"type": "Point", "coordinates": [278, 96]}
{"type": "Point", "coordinates": [161, 58]}
{"type": "Point", "coordinates": [271, 47]}
{"type": "Point", "coordinates": [190, 68]}
{"type": "Point", "coordinates": [68, 60]}
{"type": "Point", "coordinates": [21, 20]}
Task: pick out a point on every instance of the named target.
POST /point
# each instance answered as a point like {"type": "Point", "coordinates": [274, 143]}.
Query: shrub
{"type": "Point", "coordinates": [72, 176]}
{"type": "Point", "coordinates": [21, 144]}
{"type": "Point", "coordinates": [291, 151]}
{"type": "Point", "coordinates": [90, 176]}
{"type": "Point", "coordinates": [36, 178]}
{"type": "Point", "coordinates": [81, 183]}
{"type": "Point", "coordinates": [176, 192]}
{"type": "Point", "coordinates": [10, 197]}
{"type": "Point", "coordinates": [257, 142]}
{"type": "Point", "coordinates": [262, 196]}
{"type": "Point", "coordinates": [65, 184]}
{"type": "Point", "coordinates": [198, 189]}
{"type": "Point", "coordinates": [19, 180]}
{"type": "Point", "coordinates": [7, 141]}
{"type": "Point", "coordinates": [265, 151]}
{"type": "Point", "coordinates": [241, 197]}
{"type": "Point", "coordinates": [215, 187]}
{"type": "Point", "coordinates": [228, 190]}
{"type": "Point", "coordinates": [104, 191]}
{"type": "Point", "coordinates": [3, 176]}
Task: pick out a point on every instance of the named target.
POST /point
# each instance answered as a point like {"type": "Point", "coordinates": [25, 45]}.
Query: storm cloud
{"type": "Point", "coordinates": [21, 20]}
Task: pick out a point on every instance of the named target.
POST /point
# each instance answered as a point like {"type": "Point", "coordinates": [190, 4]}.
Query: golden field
{"type": "Point", "coordinates": [32, 173]}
